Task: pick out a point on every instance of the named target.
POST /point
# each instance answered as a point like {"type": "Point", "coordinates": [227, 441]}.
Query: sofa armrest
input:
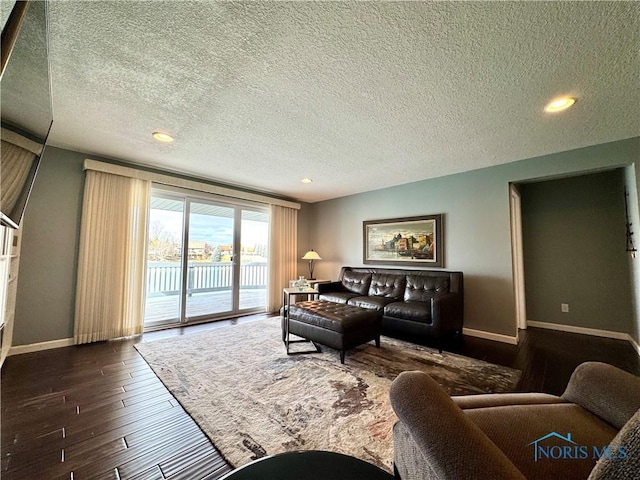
{"type": "Point", "coordinates": [606, 391]}
{"type": "Point", "coordinates": [450, 444]}
{"type": "Point", "coordinates": [330, 287]}
{"type": "Point", "coordinates": [447, 312]}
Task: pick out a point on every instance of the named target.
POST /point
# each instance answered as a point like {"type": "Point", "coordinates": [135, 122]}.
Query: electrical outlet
{"type": "Point", "coordinates": [564, 307]}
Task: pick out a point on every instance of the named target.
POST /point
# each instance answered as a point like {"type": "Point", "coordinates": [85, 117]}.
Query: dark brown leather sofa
{"type": "Point", "coordinates": [417, 305]}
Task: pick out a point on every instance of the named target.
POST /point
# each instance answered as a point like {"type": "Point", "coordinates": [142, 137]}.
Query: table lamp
{"type": "Point", "coordinates": [311, 256]}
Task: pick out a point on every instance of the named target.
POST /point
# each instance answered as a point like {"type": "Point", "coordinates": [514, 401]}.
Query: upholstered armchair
{"type": "Point", "coordinates": [591, 431]}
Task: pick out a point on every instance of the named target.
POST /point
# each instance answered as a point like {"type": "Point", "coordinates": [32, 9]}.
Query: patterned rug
{"type": "Point", "coordinates": [253, 400]}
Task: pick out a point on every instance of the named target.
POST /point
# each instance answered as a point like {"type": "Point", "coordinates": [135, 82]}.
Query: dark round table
{"type": "Point", "coordinates": [308, 465]}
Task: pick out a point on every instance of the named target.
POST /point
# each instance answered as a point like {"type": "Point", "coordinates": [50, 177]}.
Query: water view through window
{"type": "Point", "coordinates": [223, 269]}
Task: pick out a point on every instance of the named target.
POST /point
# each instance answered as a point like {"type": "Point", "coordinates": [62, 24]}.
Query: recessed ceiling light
{"type": "Point", "coordinates": [162, 137]}
{"type": "Point", "coordinates": [306, 180]}
{"type": "Point", "coordinates": [559, 104]}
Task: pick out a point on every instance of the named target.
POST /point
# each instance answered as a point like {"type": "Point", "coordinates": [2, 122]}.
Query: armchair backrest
{"type": "Point", "coordinates": [606, 391]}
{"type": "Point", "coordinates": [450, 445]}
{"type": "Point", "coordinates": [618, 465]}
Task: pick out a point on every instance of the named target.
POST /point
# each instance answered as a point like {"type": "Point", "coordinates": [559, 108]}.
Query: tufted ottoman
{"type": "Point", "coordinates": [335, 325]}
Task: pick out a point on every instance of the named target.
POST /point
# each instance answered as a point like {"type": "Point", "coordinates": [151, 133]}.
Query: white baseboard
{"type": "Point", "coordinates": [36, 347]}
{"type": "Point", "coordinates": [65, 342]}
{"type": "Point", "coordinates": [587, 331]}
{"type": "Point", "coordinates": [498, 337]}
{"type": "Point", "coordinates": [582, 330]}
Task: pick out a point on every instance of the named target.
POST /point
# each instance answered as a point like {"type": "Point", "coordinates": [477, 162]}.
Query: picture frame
{"type": "Point", "coordinates": [404, 241]}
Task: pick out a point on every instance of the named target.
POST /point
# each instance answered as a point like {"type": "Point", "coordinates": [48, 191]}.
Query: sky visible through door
{"type": "Point", "coordinates": [220, 277]}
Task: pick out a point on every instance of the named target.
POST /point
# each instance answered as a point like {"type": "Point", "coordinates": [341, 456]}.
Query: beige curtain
{"type": "Point", "coordinates": [16, 164]}
{"type": "Point", "coordinates": [110, 291]}
{"type": "Point", "coordinates": [283, 249]}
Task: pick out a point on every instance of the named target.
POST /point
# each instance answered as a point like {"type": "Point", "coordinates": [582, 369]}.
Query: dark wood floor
{"type": "Point", "coordinates": [547, 358]}
{"type": "Point", "coordinates": [98, 411]}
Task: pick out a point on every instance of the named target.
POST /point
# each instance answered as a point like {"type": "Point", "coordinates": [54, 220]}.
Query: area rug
{"type": "Point", "coordinates": [253, 400]}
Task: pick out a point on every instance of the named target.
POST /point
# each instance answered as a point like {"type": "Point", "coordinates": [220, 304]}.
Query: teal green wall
{"type": "Point", "coordinates": [633, 259]}
{"type": "Point", "coordinates": [575, 251]}
{"type": "Point", "coordinates": [45, 301]}
{"type": "Point", "coordinates": [476, 219]}
{"type": "Point", "coordinates": [475, 204]}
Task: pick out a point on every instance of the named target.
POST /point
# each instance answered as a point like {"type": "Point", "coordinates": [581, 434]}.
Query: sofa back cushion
{"type": "Point", "coordinates": [356, 282]}
{"type": "Point", "coordinates": [421, 288]}
{"type": "Point", "coordinates": [387, 285]}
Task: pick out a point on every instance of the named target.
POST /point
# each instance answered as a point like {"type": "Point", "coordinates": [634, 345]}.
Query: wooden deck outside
{"type": "Point", "coordinates": [166, 307]}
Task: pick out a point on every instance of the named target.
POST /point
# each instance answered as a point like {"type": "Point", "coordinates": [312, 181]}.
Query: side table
{"type": "Point", "coordinates": [312, 283]}
{"type": "Point", "coordinates": [287, 293]}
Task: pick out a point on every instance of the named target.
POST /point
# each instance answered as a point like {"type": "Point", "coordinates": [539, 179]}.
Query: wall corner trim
{"type": "Point", "coordinates": [36, 347]}
{"type": "Point", "coordinates": [497, 337]}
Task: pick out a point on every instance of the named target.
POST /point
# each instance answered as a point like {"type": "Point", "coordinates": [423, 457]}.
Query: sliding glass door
{"type": "Point", "coordinates": [253, 259]}
{"type": "Point", "coordinates": [164, 260]}
{"type": "Point", "coordinates": [207, 259]}
{"type": "Point", "coordinates": [210, 262]}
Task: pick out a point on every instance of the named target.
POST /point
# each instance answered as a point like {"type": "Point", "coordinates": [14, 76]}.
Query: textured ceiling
{"type": "Point", "coordinates": [356, 96]}
{"type": "Point", "coordinates": [25, 95]}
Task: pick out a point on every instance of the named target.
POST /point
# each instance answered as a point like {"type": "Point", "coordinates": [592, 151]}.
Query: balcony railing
{"type": "Point", "coordinates": [166, 278]}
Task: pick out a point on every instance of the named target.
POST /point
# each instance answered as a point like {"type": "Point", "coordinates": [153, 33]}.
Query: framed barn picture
{"type": "Point", "coordinates": [404, 241]}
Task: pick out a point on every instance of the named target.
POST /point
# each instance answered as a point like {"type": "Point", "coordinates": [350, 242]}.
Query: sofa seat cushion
{"type": "Point", "coordinates": [337, 317]}
{"type": "Point", "coordinates": [514, 429]}
{"type": "Point", "coordinates": [371, 303]}
{"type": "Point", "coordinates": [337, 297]}
{"type": "Point", "coordinates": [414, 311]}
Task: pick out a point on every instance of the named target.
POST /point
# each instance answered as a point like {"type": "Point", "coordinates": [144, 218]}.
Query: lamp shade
{"type": "Point", "coordinates": [311, 255]}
